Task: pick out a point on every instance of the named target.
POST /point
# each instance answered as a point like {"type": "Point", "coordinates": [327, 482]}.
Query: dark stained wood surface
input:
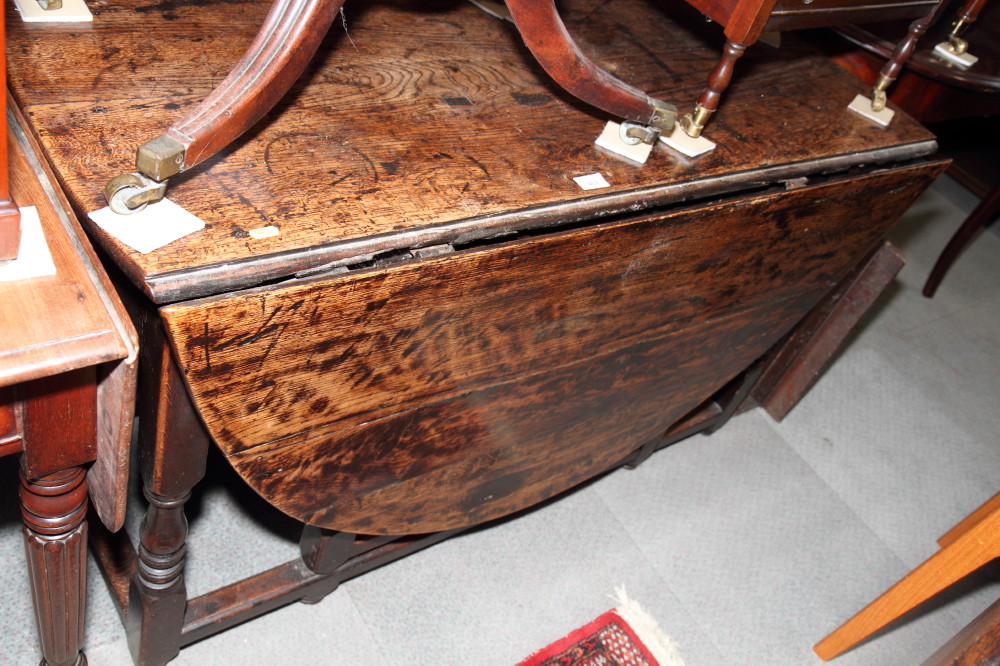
{"type": "Point", "coordinates": [387, 145]}
{"type": "Point", "coordinates": [415, 392]}
{"type": "Point", "coordinates": [797, 363]}
{"type": "Point", "coordinates": [983, 37]}
{"type": "Point", "coordinates": [978, 644]}
{"type": "Point", "coordinates": [67, 361]}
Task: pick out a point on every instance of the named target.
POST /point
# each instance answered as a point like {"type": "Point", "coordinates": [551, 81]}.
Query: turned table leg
{"type": "Point", "coordinates": [174, 447]}
{"type": "Point", "coordinates": [54, 510]}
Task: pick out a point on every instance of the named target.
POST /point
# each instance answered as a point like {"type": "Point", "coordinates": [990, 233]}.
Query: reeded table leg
{"type": "Point", "coordinates": [54, 510]}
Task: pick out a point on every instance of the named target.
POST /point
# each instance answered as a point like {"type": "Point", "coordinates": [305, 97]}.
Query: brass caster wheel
{"type": "Point", "coordinates": [633, 133]}
{"type": "Point", "coordinates": [131, 192]}
{"type": "Point", "coordinates": [878, 100]}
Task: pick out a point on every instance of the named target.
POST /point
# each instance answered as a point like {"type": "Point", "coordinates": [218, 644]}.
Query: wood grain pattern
{"type": "Point", "coordinates": [381, 375]}
{"type": "Point", "coordinates": [978, 644]}
{"type": "Point", "coordinates": [381, 141]}
{"type": "Point", "coordinates": [71, 320]}
{"type": "Point", "coordinates": [544, 33]}
{"type": "Point", "coordinates": [973, 548]}
{"type": "Point", "coordinates": [55, 323]}
{"type": "Point", "coordinates": [287, 40]}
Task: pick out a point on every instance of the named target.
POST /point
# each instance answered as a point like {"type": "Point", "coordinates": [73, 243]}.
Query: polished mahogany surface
{"type": "Point", "coordinates": [67, 383]}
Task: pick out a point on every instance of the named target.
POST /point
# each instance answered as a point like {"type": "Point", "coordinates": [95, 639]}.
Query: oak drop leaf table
{"type": "Point", "coordinates": [404, 317]}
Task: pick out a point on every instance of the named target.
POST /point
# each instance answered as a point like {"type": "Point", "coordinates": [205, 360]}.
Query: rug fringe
{"type": "Point", "coordinates": [661, 646]}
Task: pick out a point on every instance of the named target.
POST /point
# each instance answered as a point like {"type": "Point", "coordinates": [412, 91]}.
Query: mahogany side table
{"type": "Point", "coordinates": [404, 316]}
{"type": "Point", "coordinates": [68, 359]}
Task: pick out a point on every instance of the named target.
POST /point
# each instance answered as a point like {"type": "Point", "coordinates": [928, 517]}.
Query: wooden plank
{"type": "Point", "coordinates": [268, 363]}
{"type": "Point", "coordinates": [411, 372]}
{"type": "Point", "coordinates": [382, 141]}
{"type": "Point", "coordinates": [497, 450]}
{"type": "Point", "coordinates": [793, 370]}
{"type": "Point", "coordinates": [978, 644]}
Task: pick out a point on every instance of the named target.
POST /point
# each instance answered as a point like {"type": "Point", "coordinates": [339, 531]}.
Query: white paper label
{"type": "Point", "coordinates": [264, 232]}
{"type": "Point", "coordinates": [150, 229]}
{"type": "Point", "coordinates": [610, 140]}
{"type": "Point", "coordinates": [33, 256]}
{"type": "Point", "coordinates": [72, 11]}
{"type": "Point", "coordinates": [679, 140]}
{"type": "Point", "coordinates": [592, 181]}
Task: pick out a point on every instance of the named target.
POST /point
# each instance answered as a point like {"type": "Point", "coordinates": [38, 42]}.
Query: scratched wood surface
{"type": "Point", "coordinates": [445, 392]}
{"type": "Point", "coordinates": [430, 124]}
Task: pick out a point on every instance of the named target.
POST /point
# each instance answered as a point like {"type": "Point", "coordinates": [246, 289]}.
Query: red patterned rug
{"type": "Point", "coordinates": [625, 636]}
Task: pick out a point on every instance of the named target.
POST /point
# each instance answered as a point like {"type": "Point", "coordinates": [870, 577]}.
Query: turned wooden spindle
{"type": "Point", "coordinates": [718, 81]}
{"type": "Point", "coordinates": [158, 594]}
{"type": "Point", "coordinates": [901, 54]}
{"type": "Point", "coordinates": [173, 447]}
{"type": "Point", "coordinates": [967, 15]}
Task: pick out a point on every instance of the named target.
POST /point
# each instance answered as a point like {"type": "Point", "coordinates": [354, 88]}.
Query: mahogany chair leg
{"type": "Point", "coordinates": [174, 448]}
{"type": "Point", "coordinates": [285, 44]}
{"type": "Point", "coordinates": [718, 80]}
{"type": "Point", "coordinates": [545, 35]}
{"type": "Point", "coordinates": [54, 509]}
{"type": "Point", "coordinates": [901, 54]}
{"type": "Point", "coordinates": [976, 546]}
{"type": "Point", "coordinates": [979, 218]}
{"type": "Point", "coordinates": [967, 15]}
